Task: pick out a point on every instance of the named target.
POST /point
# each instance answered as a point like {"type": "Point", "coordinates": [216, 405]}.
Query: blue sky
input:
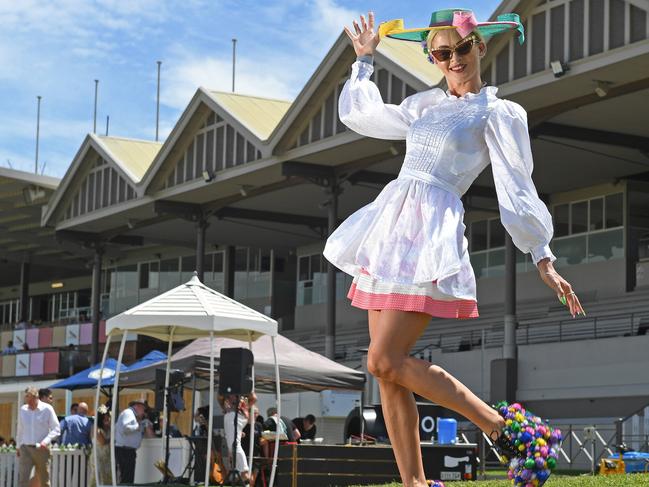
{"type": "Point", "coordinates": [56, 48]}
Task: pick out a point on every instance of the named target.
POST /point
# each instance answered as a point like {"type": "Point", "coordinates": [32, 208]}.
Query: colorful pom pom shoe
{"type": "Point", "coordinates": [528, 443]}
{"type": "Point", "coordinates": [435, 483]}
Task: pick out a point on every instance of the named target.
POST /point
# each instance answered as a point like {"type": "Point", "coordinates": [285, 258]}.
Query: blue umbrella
{"type": "Point", "coordinates": [87, 379]}
{"type": "Point", "coordinates": [149, 359]}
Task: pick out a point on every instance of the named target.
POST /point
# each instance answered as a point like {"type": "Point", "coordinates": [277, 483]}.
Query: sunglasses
{"type": "Point", "coordinates": [462, 48]}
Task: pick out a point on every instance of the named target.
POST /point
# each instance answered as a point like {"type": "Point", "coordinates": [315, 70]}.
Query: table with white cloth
{"type": "Point", "coordinates": [152, 451]}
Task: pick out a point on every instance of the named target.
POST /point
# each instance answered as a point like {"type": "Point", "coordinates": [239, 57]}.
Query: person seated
{"type": "Point", "coordinates": [286, 426]}
{"type": "Point", "coordinates": [306, 426]}
{"type": "Point", "coordinates": [10, 349]}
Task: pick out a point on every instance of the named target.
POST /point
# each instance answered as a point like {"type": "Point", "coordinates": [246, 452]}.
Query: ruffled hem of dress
{"type": "Point", "coordinates": [437, 308]}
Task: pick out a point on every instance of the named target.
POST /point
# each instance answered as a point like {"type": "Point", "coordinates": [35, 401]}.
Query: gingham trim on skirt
{"type": "Point", "coordinates": [369, 293]}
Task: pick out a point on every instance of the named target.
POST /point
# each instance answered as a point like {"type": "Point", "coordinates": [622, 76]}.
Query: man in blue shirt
{"type": "Point", "coordinates": [76, 428]}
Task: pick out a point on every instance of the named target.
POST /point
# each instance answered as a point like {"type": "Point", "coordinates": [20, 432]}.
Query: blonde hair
{"type": "Point", "coordinates": [434, 32]}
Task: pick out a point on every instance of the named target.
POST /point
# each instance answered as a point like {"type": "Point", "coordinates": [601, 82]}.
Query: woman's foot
{"type": "Point", "coordinates": [530, 445]}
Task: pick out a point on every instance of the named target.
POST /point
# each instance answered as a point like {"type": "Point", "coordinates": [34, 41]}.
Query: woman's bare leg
{"type": "Point", "coordinates": [389, 360]}
{"type": "Point", "coordinates": [401, 420]}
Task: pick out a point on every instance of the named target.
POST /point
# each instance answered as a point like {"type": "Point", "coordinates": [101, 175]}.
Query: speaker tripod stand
{"type": "Point", "coordinates": [234, 475]}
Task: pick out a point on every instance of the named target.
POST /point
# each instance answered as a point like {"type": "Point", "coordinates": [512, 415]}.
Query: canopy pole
{"type": "Point", "coordinates": [210, 420]}
{"type": "Point", "coordinates": [113, 465]}
{"type": "Point", "coordinates": [96, 423]}
{"type": "Point", "coordinates": [279, 414]}
{"type": "Point", "coordinates": [251, 415]}
{"type": "Point", "coordinates": [165, 395]}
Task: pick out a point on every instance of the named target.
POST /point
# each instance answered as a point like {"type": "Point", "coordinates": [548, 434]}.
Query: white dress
{"type": "Point", "coordinates": [410, 239]}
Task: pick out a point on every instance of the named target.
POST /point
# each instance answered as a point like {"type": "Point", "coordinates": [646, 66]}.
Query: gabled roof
{"type": "Point", "coordinates": [259, 115]}
{"type": "Point", "coordinates": [255, 116]}
{"type": "Point", "coordinates": [404, 59]}
{"type": "Point", "coordinates": [131, 157]}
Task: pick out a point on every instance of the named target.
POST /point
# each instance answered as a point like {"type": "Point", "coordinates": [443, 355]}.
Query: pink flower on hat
{"type": "Point", "coordinates": [464, 21]}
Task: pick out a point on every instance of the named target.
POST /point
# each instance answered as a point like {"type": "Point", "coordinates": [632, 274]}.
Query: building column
{"type": "Point", "coordinates": [332, 217]}
{"type": "Point", "coordinates": [200, 248]}
{"type": "Point", "coordinates": [230, 254]}
{"type": "Point", "coordinates": [23, 316]}
{"type": "Point", "coordinates": [504, 372]}
{"type": "Point", "coordinates": [95, 303]}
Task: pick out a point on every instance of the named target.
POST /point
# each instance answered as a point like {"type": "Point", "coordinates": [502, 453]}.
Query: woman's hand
{"type": "Point", "coordinates": [365, 39]}
{"type": "Point", "coordinates": [560, 286]}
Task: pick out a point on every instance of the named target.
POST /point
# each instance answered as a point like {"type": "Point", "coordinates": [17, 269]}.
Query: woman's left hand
{"type": "Point", "coordinates": [562, 287]}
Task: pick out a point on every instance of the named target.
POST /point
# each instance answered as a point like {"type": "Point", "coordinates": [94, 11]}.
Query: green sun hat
{"type": "Point", "coordinates": [461, 19]}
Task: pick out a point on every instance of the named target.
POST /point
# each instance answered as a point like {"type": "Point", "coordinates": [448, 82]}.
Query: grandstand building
{"type": "Point", "coordinates": [246, 189]}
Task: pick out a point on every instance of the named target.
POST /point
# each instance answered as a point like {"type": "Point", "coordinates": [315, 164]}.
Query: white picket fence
{"type": "Point", "coordinates": [68, 469]}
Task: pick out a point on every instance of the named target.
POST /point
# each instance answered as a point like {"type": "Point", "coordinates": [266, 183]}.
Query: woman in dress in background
{"type": "Point", "coordinates": [102, 444]}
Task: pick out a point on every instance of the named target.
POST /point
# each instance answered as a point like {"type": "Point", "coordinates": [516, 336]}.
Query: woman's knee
{"type": "Point", "coordinates": [383, 365]}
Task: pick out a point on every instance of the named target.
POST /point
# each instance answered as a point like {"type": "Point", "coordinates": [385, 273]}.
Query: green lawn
{"type": "Point", "coordinates": [633, 480]}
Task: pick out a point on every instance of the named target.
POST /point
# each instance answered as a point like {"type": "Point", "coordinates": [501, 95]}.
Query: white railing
{"type": "Point", "coordinates": [67, 469]}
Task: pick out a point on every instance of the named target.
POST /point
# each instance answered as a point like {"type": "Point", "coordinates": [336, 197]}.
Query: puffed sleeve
{"type": "Point", "coordinates": [523, 214]}
{"type": "Point", "coordinates": [361, 107]}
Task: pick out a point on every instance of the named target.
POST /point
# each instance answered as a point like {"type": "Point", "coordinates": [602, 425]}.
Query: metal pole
{"type": "Point", "coordinates": [113, 414]}
{"type": "Point", "coordinates": [330, 334]}
{"type": "Point", "coordinates": [279, 414]}
{"type": "Point", "coordinates": [157, 106]}
{"type": "Point", "coordinates": [165, 405]}
{"type": "Point", "coordinates": [210, 420]}
{"type": "Point", "coordinates": [94, 126]}
{"type": "Point", "coordinates": [24, 291]}
{"type": "Point", "coordinates": [234, 60]}
{"type": "Point", "coordinates": [95, 303]}
{"type": "Point", "coordinates": [96, 423]}
{"type": "Point", "coordinates": [200, 249]}
{"type": "Point", "coordinates": [509, 347]}
{"type": "Point", "coordinates": [38, 132]}
{"type": "Point", "coordinates": [107, 122]}
{"type": "Point", "coordinates": [251, 413]}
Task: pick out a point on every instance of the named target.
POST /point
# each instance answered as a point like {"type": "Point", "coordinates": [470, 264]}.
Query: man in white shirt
{"type": "Point", "coordinates": [37, 427]}
{"type": "Point", "coordinates": [130, 428]}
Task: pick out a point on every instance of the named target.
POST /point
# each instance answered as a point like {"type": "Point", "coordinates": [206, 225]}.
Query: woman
{"type": "Point", "coordinates": [239, 404]}
{"type": "Point", "coordinates": [102, 444]}
{"type": "Point", "coordinates": [407, 250]}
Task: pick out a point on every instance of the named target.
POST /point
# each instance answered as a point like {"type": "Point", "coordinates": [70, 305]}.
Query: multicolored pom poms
{"type": "Point", "coordinates": [537, 443]}
{"type": "Point", "coordinates": [435, 483]}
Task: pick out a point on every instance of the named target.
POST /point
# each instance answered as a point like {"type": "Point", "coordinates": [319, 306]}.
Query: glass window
{"type": "Point", "coordinates": [106, 187]}
{"type": "Point", "coordinates": [218, 261]}
{"type": "Point", "coordinates": [253, 264]}
{"type": "Point", "coordinates": [479, 236]}
{"type": "Point", "coordinates": [250, 152]}
{"type": "Point", "coordinates": [479, 264]}
{"type": "Point", "coordinates": [606, 245]}
{"type": "Point", "coordinates": [304, 268]}
{"type": "Point", "coordinates": [144, 275]}
{"type": "Point", "coordinates": [496, 234]}
{"type": "Point", "coordinates": [169, 275]}
{"type": "Point", "coordinates": [570, 251]}
{"type": "Point", "coordinates": [149, 275]}
{"type": "Point", "coordinates": [316, 126]}
{"type": "Point", "coordinates": [265, 260]}
{"type": "Point", "coordinates": [596, 214]}
{"type": "Point", "coordinates": [315, 265]}
{"type": "Point", "coordinates": [497, 263]}
{"type": "Point", "coordinates": [614, 210]}
{"type": "Point", "coordinates": [579, 217]}
{"type": "Point", "coordinates": [241, 259]}
{"type": "Point", "coordinates": [561, 220]}
{"type": "Point", "coordinates": [180, 170]}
